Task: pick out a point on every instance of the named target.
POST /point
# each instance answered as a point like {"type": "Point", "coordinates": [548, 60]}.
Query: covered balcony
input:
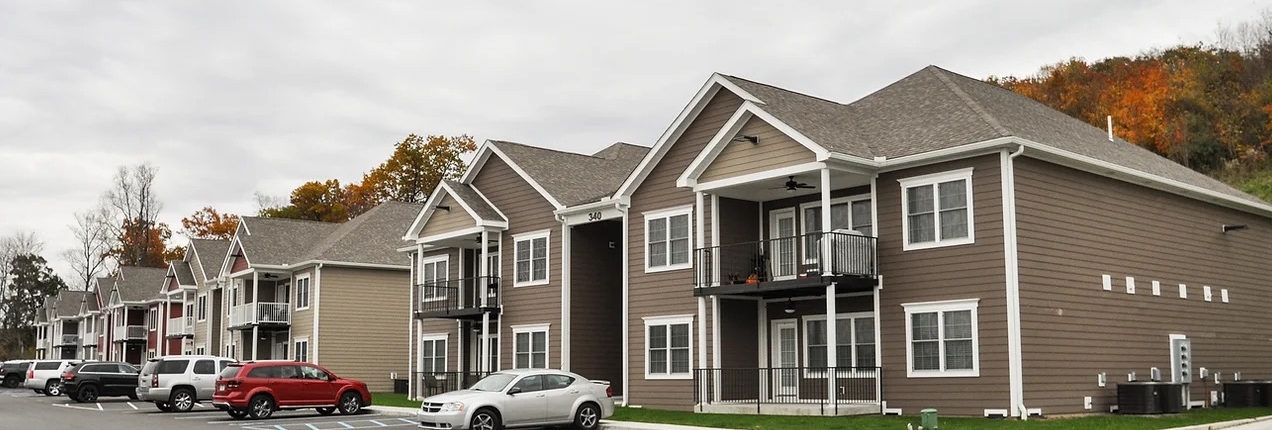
{"type": "Point", "coordinates": [458, 298]}
{"type": "Point", "coordinates": [775, 267]}
{"type": "Point", "coordinates": [180, 327]}
{"type": "Point", "coordinates": [789, 390]}
{"type": "Point", "coordinates": [260, 314]}
{"type": "Point", "coordinates": [69, 340]}
{"type": "Point", "coordinates": [129, 333]}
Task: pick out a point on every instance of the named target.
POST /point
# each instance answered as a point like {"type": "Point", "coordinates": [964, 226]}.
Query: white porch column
{"type": "Point", "coordinates": [162, 323]}
{"type": "Point", "coordinates": [699, 212]}
{"type": "Point", "coordinates": [565, 295]}
{"type": "Point", "coordinates": [626, 276]}
{"type": "Point", "coordinates": [832, 335]}
{"type": "Point", "coordinates": [484, 264]}
{"type": "Point", "coordinates": [256, 298]}
{"type": "Point", "coordinates": [411, 257]}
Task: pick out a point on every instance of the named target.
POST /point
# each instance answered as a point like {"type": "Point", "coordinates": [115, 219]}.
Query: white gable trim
{"type": "Point", "coordinates": [724, 137]}
{"type": "Point", "coordinates": [436, 196]}
{"type": "Point", "coordinates": [483, 154]}
{"type": "Point", "coordinates": [472, 213]}
{"type": "Point", "coordinates": [488, 203]}
{"type": "Point", "coordinates": [430, 207]}
{"type": "Point", "coordinates": [228, 263]}
{"type": "Point", "coordinates": [678, 126]}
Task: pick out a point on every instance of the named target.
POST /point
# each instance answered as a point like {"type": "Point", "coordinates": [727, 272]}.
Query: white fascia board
{"type": "Point", "coordinates": [413, 232]}
{"type": "Point", "coordinates": [715, 146]}
{"type": "Point", "coordinates": [488, 203]}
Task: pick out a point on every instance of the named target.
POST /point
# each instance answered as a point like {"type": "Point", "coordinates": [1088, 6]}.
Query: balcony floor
{"type": "Point", "coordinates": [469, 314]}
{"type": "Point", "coordinates": [269, 326]}
{"type": "Point", "coordinates": [803, 286]}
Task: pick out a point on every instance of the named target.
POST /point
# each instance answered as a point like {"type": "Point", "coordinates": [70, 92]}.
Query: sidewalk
{"type": "Point", "coordinates": [1257, 423]}
{"type": "Point", "coordinates": [605, 424]}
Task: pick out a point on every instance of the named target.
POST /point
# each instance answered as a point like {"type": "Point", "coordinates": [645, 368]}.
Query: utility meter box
{"type": "Point", "coordinates": [1181, 360]}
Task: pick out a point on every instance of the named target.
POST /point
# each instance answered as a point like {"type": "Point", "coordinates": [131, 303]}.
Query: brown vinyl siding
{"type": "Point", "coordinates": [596, 291]}
{"type": "Point", "coordinates": [445, 221]}
{"type": "Point", "coordinates": [527, 212]}
{"type": "Point", "coordinates": [671, 292]}
{"type": "Point", "coordinates": [946, 273]}
{"type": "Point", "coordinates": [351, 302]}
{"type": "Point", "coordinates": [1073, 227]}
{"type": "Point", "coordinates": [302, 321]}
{"type": "Point", "coordinates": [775, 150]}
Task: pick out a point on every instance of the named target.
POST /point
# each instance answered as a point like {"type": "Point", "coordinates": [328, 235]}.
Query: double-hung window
{"type": "Point", "coordinates": [531, 258]}
{"type": "Point", "coordinates": [530, 346]}
{"type": "Point", "coordinates": [938, 210]}
{"type": "Point", "coordinates": [941, 339]}
{"type": "Point", "coordinates": [854, 346]}
{"type": "Point", "coordinates": [850, 214]}
{"type": "Point", "coordinates": [202, 307]}
{"type": "Point", "coordinates": [433, 353]}
{"type": "Point", "coordinates": [667, 244]}
{"type": "Point", "coordinates": [433, 276]}
{"type": "Point", "coordinates": [302, 292]}
{"type": "Point", "coordinates": [302, 349]}
{"type": "Point", "coordinates": [668, 347]}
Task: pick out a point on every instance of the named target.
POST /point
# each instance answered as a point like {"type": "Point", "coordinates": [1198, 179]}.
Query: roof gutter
{"type": "Point", "coordinates": [307, 263]}
{"type": "Point", "coordinates": [588, 207]}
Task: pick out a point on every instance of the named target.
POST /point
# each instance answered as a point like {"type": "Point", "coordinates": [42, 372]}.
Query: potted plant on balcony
{"type": "Point", "coordinates": [753, 279]}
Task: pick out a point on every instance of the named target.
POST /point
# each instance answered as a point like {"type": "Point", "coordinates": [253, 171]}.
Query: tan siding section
{"type": "Point", "coordinates": [527, 212]}
{"type": "Point", "coordinates": [444, 221]}
{"type": "Point", "coordinates": [1074, 227]}
{"type": "Point", "coordinates": [666, 293]}
{"type": "Point", "coordinates": [947, 273]}
{"type": "Point", "coordinates": [363, 314]}
{"type": "Point", "coordinates": [775, 150]}
{"type": "Point", "coordinates": [302, 320]}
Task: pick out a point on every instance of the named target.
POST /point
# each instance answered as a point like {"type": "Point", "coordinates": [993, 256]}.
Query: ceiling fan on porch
{"type": "Point", "coordinates": [793, 185]}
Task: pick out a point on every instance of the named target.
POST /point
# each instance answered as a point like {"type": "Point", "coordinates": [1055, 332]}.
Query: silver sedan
{"type": "Point", "coordinates": [521, 398]}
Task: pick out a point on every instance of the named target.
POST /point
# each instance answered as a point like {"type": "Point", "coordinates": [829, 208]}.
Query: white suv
{"type": "Point", "coordinates": [177, 382]}
{"type": "Point", "coordinates": [45, 376]}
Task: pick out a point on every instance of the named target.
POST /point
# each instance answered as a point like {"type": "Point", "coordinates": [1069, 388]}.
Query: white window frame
{"type": "Point", "coordinates": [933, 180]}
{"type": "Point", "coordinates": [531, 329]}
{"type": "Point", "coordinates": [152, 319]}
{"type": "Point", "coordinates": [201, 307]}
{"type": "Point", "coordinates": [803, 226]}
{"type": "Point", "coordinates": [852, 343]}
{"type": "Point", "coordinates": [200, 349]}
{"type": "Point", "coordinates": [445, 354]}
{"type": "Point", "coordinates": [666, 214]}
{"type": "Point", "coordinates": [669, 321]}
{"type": "Point", "coordinates": [296, 349]}
{"type": "Point", "coordinates": [546, 235]}
{"type": "Point", "coordinates": [307, 288]}
{"type": "Point", "coordinates": [150, 353]}
{"type": "Point", "coordinates": [434, 260]}
{"type": "Point", "coordinates": [941, 307]}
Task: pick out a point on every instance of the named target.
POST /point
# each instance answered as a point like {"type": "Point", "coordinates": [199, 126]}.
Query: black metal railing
{"type": "Point", "coordinates": [843, 254]}
{"type": "Point", "coordinates": [788, 385]}
{"type": "Point", "coordinates": [456, 295]}
{"type": "Point", "coordinates": [433, 383]}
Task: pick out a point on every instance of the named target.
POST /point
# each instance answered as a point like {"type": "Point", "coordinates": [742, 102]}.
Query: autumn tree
{"type": "Point", "coordinates": [140, 238]}
{"type": "Point", "coordinates": [207, 223]}
{"type": "Point", "coordinates": [416, 166]}
{"type": "Point", "coordinates": [315, 201]}
{"type": "Point", "coordinates": [93, 242]}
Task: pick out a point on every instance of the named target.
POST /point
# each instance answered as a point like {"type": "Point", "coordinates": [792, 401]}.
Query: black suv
{"type": "Point", "coordinates": [13, 373]}
{"type": "Point", "coordinates": [85, 382]}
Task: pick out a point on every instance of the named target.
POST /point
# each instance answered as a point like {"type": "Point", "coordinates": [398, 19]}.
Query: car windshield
{"type": "Point", "coordinates": [494, 382]}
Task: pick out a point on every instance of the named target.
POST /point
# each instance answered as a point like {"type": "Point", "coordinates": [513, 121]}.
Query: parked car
{"type": "Point", "coordinates": [177, 382]}
{"type": "Point", "coordinates": [258, 388]}
{"type": "Point", "coordinates": [45, 376]}
{"type": "Point", "coordinates": [13, 372]}
{"type": "Point", "coordinates": [521, 398]}
{"type": "Point", "coordinates": [85, 382]}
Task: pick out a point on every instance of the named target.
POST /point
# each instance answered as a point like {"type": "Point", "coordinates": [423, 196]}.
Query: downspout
{"type": "Point", "coordinates": [410, 331]}
{"type": "Point", "coordinates": [565, 293]}
{"type": "Point", "coordinates": [1012, 270]}
{"type": "Point", "coordinates": [626, 272]}
{"type": "Point", "coordinates": [313, 341]}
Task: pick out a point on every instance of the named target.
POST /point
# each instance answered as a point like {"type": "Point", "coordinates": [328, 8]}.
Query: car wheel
{"type": "Point", "coordinates": [182, 400]}
{"type": "Point", "coordinates": [588, 417]}
{"type": "Point", "coordinates": [53, 388]}
{"type": "Point", "coordinates": [261, 407]}
{"type": "Point", "coordinates": [326, 411]}
{"type": "Point", "coordinates": [87, 394]}
{"type": "Point", "coordinates": [237, 414]}
{"type": "Point", "coordinates": [11, 382]}
{"type": "Point", "coordinates": [350, 403]}
{"type": "Point", "coordinates": [484, 419]}
{"type": "Point", "coordinates": [163, 407]}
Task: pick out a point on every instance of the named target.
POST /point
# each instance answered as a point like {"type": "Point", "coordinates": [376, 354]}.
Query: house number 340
{"type": "Point", "coordinates": [594, 216]}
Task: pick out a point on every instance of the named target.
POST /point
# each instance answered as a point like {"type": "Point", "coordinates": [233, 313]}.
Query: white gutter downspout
{"type": "Point", "coordinates": [410, 331]}
{"type": "Point", "coordinates": [313, 341]}
{"type": "Point", "coordinates": [565, 293]}
{"type": "Point", "coordinates": [626, 305]}
{"type": "Point", "coordinates": [1012, 266]}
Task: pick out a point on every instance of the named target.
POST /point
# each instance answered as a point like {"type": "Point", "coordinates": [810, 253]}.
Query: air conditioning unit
{"type": "Point", "coordinates": [1139, 398]}
{"type": "Point", "coordinates": [1247, 394]}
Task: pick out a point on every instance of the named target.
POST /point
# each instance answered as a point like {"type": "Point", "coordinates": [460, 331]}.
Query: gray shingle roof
{"type": "Point", "coordinates": [183, 271]}
{"type": "Point", "coordinates": [575, 179]}
{"type": "Point", "coordinates": [277, 241]}
{"type": "Point", "coordinates": [68, 302]}
{"type": "Point", "coordinates": [211, 254]}
{"type": "Point", "coordinates": [935, 109]}
{"type": "Point", "coordinates": [473, 200]}
{"type": "Point", "coordinates": [139, 284]}
{"type": "Point", "coordinates": [370, 238]}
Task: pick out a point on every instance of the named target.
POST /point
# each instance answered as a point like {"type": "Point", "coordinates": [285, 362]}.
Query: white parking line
{"type": "Point", "coordinates": [311, 426]}
{"type": "Point", "coordinates": [99, 407]}
{"type": "Point", "coordinates": [133, 406]}
{"type": "Point", "coordinates": [75, 407]}
{"type": "Point", "coordinates": [379, 423]}
{"type": "Point", "coordinates": [406, 421]}
{"type": "Point", "coordinates": [346, 425]}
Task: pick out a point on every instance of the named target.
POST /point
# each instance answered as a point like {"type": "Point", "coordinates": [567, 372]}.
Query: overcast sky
{"type": "Point", "coordinates": [230, 98]}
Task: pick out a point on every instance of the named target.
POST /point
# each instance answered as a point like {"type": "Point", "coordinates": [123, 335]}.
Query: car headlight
{"type": "Point", "coordinates": [452, 406]}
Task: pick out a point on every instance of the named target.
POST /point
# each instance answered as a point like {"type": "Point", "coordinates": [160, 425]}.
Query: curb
{"type": "Point", "coordinates": [396, 411]}
{"type": "Point", "coordinates": [1225, 424]}
{"type": "Point", "coordinates": [631, 425]}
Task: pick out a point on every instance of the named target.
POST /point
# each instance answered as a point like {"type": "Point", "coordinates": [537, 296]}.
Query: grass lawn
{"type": "Point", "coordinates": [390, 399]}
{"type": "Point", "coordinates": [870, 422]}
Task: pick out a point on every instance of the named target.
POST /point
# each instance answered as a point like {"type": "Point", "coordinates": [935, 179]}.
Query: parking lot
{"type": "Point", "coordinates": [24, 409]}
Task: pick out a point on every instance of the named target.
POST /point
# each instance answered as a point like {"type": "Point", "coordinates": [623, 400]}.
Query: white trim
{"type": "Point", "coordinates": [469, 209]}
{"type": "Point", "coordinates": [774, 243]}
{"type": "Point", "coordinates": [1011, 262]}
{"type": "Point", "coordinates": [625, 275]}
{"type": "Point", "coordinates": [780, 172]}
{"type": "Point", "coordinates": [483, 154]}
{"type": "Point", "coordinates": [852, 342]}
{"type": "Point", "coordinates": [420, 273]}
{"type": "Point", "coordinates": [201, 315]}
{"type": "Point", "coordinates": [715, 146]}
{"type": "Point", "coordinates": [545, 234]}
{"type": "Point", "coordinates": [309, 291]}
{"type": "Point", "coordinates": [941, 307]}
{"type": "Point", "coordinates": [317, 285]}
{"type": "Point", "coordinates": [933, 180]}
{"type": "Point", "coordinates": [309, 349]}
{"type": "Point", "coordinates": [667, 213]}
{"type": "Point", "coordinates": [488, 203]}
{"type": "Point", "coordinates": [432, 337]}
{"type": "Point", "coordinates": [412, 232]}
{"type": "Point", "coordinates": [449, 235]}
{"type": "Point", "coordinates": [669, 320]}
{"type": "Point", "coordinates": [849, 200]}
{"type": "Point", "coordinates": [566, 231]}
{"type": "Point", "coordinates": [546, 328]}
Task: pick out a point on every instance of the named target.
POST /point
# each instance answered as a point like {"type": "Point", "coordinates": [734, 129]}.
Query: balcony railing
{"type": "Point", "coordinates": [433, 383]}
{"type": "Point", "coordinates": [260, 313]}
{"type": "Point", "coordinates": [838, 253]}
{"type": "Point", "coordinates": [132, 332]}
{"type": "Point", "coordinates": [457, 297]}
{"type": "Point", "coordinates": [788, 385]}
{"type": "Point", "coordinates": [69, 339]}
{"type": "Point", "coordinates": [178, 327]}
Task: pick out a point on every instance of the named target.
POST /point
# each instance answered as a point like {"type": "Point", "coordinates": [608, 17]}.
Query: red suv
{"type": "Point", "coordinates": [258, 388]}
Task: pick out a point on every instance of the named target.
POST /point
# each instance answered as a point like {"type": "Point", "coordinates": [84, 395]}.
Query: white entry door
{"type": "Point", "coordinates": [782, 244]}
{"type": "Point", "coordinates": [784, 376]}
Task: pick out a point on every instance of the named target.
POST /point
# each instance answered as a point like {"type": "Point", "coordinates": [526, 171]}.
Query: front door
{"type": "Point", "coordinates": [280, 346]}
{"type": "Point", "coordinates": [782, 244]}
{"type": "Point", "coordinates": [784, 376]}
